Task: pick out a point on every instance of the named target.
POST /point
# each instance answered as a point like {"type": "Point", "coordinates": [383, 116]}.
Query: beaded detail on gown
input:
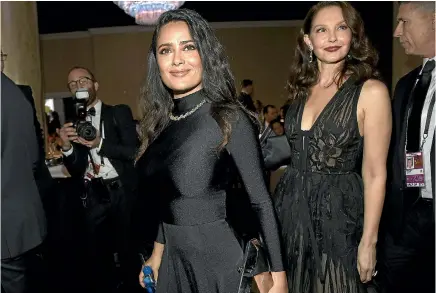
{"type": "Point", "coordinates": [319, 199]}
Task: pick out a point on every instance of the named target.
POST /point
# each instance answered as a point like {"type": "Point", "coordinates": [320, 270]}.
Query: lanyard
{"type": "Point", "coordinates": [427, 123]}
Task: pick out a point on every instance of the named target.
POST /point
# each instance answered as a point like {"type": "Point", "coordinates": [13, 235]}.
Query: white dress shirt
{"type": "Point", "coordinates": [426, 192]}
{"type": "Point", "coordinates": [106, 170]}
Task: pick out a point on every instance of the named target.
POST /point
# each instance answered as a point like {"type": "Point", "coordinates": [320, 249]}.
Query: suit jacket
{"type": "Point", "coordinates": [22, 214]}
{"type": "Point", "coordinates": [119, 146]}
{"type": "Point", "coordinates": [247, 101]}
{"type": "Point", "coordinates": [394, 207]}
{"type": "Point", "coordinates": [42, 175]}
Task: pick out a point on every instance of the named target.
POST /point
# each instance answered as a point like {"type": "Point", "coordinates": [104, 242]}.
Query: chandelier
{"type": "Point", "coordinates": [147, 12]}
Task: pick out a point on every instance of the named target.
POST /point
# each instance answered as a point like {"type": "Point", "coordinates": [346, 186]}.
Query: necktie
{"type": "Point", "coordinates": [419, 95]}
{"type": "Point", "coordinates": [91, 111]}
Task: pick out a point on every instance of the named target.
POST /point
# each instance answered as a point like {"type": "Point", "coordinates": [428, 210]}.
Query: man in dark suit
{"type": "Point", "coordinates": [245, 97]}
{"type": "Point", "coordinates": [49, 193]}
{"type": "Point", "coordinates": [407, 256]}
{"type": "Point", "coordinates": [43, 178]}
{"type": "Point", "coordinates": [270, 113]}
{"type": "Point", "coordinates": [23, 219]}
{"type": "Point", "coordinates": [104, 167]}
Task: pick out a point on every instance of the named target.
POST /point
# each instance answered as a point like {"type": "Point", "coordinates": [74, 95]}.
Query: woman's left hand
{"type": "Point", "coordinates": [366, 260]}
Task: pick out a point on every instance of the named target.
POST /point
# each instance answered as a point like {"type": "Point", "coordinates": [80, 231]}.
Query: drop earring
{"type": "Point", "coordinates": [310, 55]}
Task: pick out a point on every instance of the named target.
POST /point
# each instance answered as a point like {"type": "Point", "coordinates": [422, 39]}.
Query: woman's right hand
{"type": "Point", "coordinates": [154, 264]}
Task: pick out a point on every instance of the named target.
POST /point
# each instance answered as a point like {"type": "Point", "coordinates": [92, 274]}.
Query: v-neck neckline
{"type": "Point", "coordinates": [322, 111]}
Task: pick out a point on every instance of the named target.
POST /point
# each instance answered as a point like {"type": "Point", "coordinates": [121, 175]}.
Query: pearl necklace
{"type": "Point", "coordinates": [177, 118]}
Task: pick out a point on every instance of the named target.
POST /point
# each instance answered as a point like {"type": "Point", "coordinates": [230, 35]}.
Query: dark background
{"type": "Point", "coordinates": [58, 17]}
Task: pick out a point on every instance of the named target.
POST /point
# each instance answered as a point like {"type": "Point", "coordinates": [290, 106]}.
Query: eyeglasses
{"type": "Point", "coordinates": [83, 81]}
{"type": "Point", "coordinates": [4, 56]}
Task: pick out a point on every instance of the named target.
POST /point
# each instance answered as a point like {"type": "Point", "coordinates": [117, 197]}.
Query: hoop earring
{"type": "Point", "coordinates": [310, 56]}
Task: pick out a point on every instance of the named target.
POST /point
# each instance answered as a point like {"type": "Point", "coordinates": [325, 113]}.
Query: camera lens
{"type": "Point", "coordinates": [86, 131]}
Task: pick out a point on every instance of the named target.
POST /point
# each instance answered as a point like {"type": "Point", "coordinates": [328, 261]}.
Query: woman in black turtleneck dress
{"type": "Point", "coordinates": [193, 130]}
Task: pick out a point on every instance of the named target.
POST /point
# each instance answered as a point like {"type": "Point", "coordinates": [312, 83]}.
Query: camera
{"type": "Point", "coordinates": [84, 128]}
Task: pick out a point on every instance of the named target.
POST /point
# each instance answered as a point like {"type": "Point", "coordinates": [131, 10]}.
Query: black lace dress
{"type": "Point", "coordinates": [319, 199]}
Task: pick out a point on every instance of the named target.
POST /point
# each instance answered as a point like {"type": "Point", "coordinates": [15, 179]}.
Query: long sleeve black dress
{"type": "Point", "coordinates": [186, 170]}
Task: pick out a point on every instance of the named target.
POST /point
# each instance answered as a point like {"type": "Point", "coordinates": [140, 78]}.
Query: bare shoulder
{"type": "Point", "coordinates": [374, 93]}
{"type": "Point", "coordinates": [374, 106]}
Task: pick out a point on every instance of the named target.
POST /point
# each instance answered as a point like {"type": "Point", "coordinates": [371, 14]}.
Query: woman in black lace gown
{"type": "Point", "coordinates": [340, 113]}
{"type": "Point", "coordinates": [193, 131]}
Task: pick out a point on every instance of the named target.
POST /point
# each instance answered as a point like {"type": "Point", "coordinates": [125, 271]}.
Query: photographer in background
{"type": "Point", "coordinates": [99, 149]}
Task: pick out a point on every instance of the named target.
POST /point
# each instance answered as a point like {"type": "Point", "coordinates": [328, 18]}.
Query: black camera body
{"type": "Point", "coordinates": [84, 128]}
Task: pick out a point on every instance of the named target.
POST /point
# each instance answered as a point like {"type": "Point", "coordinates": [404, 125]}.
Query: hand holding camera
{"type": "Point", "coordinates": [81, 131]}
{"type": "Point", "coordinates": [68, 134]}
{"type": "Point", "coordinates": [91, 144]}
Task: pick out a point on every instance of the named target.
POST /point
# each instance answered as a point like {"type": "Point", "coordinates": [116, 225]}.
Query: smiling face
{"type": "Point", "coordinates": [178, 59]}
{"type": "Point", "coordinates": [329, 37]}
{"type": "Point", "coordinates": [81, 78]}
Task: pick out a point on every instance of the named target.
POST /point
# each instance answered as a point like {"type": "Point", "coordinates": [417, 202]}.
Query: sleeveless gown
{"type": "Point", "coordinates": [319, 199]}
{"type": "Point", "coordinates": [185, 171]}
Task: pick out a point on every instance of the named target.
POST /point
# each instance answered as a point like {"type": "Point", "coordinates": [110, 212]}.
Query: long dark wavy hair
{"type": "Point", "coordinates": [360, 63]}
{"type": "Point", "coordinates": [218, 82]}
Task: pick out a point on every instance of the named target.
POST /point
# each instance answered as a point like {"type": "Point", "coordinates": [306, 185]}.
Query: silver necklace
{"type": "Point", "coordinates": [180, 117]}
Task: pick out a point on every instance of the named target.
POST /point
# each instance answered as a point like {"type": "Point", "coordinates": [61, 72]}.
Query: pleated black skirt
{"type": "Point", "coordinates": [200, 259]}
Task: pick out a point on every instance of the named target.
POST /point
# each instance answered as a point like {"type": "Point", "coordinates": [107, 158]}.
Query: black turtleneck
{"type": "Point", "coordinates": [187, 103]}
{"type": "Point", "coordinates": [185, 169]}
